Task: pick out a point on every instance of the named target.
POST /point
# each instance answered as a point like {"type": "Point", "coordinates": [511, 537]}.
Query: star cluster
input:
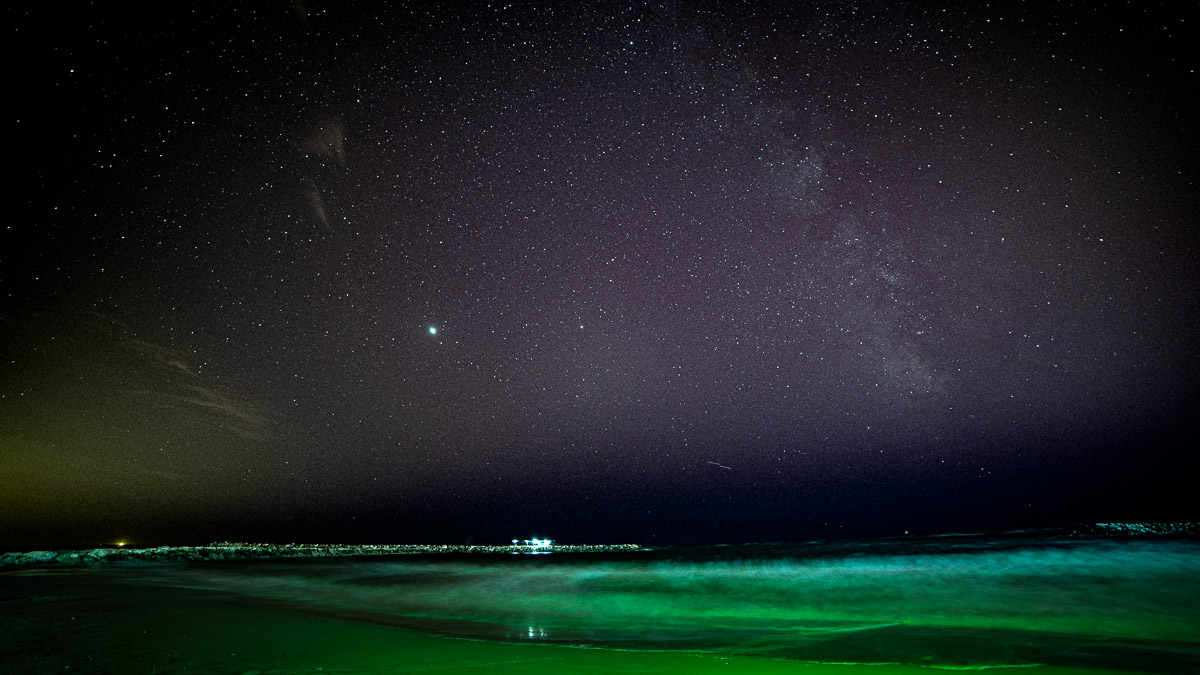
{"type": "Point", "coordinates": [662, 269]}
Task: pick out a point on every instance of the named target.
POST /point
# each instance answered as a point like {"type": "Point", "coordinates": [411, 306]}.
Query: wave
{"type": "Point", "coordinates": [1049, 600]}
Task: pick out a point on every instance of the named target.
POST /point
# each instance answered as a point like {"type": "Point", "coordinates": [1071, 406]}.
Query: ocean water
{"type": "Point", "coordinates": [1042, 602]}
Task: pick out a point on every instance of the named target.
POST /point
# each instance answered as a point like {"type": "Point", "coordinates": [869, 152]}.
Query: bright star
{"type": "Point", "coordinates": [433, 330]}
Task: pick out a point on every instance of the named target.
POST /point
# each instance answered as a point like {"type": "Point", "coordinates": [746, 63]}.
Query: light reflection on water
{"type": "Point", "coordinates": [1044, 602]}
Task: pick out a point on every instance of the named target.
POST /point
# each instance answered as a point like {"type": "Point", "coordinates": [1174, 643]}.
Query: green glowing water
{"type": "Point", "coordinates": [1061, 608]}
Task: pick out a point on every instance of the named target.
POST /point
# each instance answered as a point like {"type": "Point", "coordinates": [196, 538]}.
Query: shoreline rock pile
{"type": "Point", "coordinates": [1171, 529]}
{"type": "Point", "coordinates": [247, 551]}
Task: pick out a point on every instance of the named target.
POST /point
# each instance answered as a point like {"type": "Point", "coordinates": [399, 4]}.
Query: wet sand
{"type": "Point", "coordinates": [82, 621]}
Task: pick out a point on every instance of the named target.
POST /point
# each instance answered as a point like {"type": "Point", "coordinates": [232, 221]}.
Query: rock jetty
{"type": "Point", "coordinates": [1169, 529]}
{"type": "Point", "coordinates": [246, 551]}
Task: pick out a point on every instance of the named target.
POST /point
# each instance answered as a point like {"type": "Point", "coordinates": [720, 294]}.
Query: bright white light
{"type": "Point", "coordinates": [433, 330]}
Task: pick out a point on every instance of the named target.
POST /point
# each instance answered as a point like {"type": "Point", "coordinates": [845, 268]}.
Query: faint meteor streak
{"type": "Point", "coordinates": [720, 465]}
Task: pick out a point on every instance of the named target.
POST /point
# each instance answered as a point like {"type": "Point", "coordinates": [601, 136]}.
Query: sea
{"type": "Point", "coordinates": [1044, 601]}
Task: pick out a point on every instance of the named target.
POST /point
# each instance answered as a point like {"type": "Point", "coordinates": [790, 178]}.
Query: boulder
{"type": "Point", "coordinates": [35, 557]}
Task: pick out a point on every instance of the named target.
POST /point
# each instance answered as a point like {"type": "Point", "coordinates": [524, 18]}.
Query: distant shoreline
{"type": "Point", "coordinates": [249, 551]}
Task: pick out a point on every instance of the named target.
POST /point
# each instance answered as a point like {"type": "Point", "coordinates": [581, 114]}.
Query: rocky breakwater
{"type": "Point", "coordinates": [246, 551]}
{"type": "Point", "coordinates": [1170, 529]}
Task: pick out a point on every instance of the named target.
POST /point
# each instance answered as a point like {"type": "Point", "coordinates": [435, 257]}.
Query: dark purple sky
{"type": "Point", "coordinates": [662, 272]}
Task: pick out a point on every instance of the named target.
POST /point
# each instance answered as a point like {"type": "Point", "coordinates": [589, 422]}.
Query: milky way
{"type": "Point", "coordinates": [691, 271]}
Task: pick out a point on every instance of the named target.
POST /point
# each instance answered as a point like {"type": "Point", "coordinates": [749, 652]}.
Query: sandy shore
{"type": "Point", "coordinates": [75, 621]}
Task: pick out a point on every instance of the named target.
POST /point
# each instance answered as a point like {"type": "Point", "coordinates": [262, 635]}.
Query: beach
{"type": "Point", "coordinates": [701, 610]}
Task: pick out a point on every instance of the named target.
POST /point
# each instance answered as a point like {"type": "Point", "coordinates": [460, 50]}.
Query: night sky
{"type": "Point", "coordinates": [677, 272]}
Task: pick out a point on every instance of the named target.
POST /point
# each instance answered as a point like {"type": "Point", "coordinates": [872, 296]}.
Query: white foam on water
{"type": "Point", "coordinates": [1142, 590]}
